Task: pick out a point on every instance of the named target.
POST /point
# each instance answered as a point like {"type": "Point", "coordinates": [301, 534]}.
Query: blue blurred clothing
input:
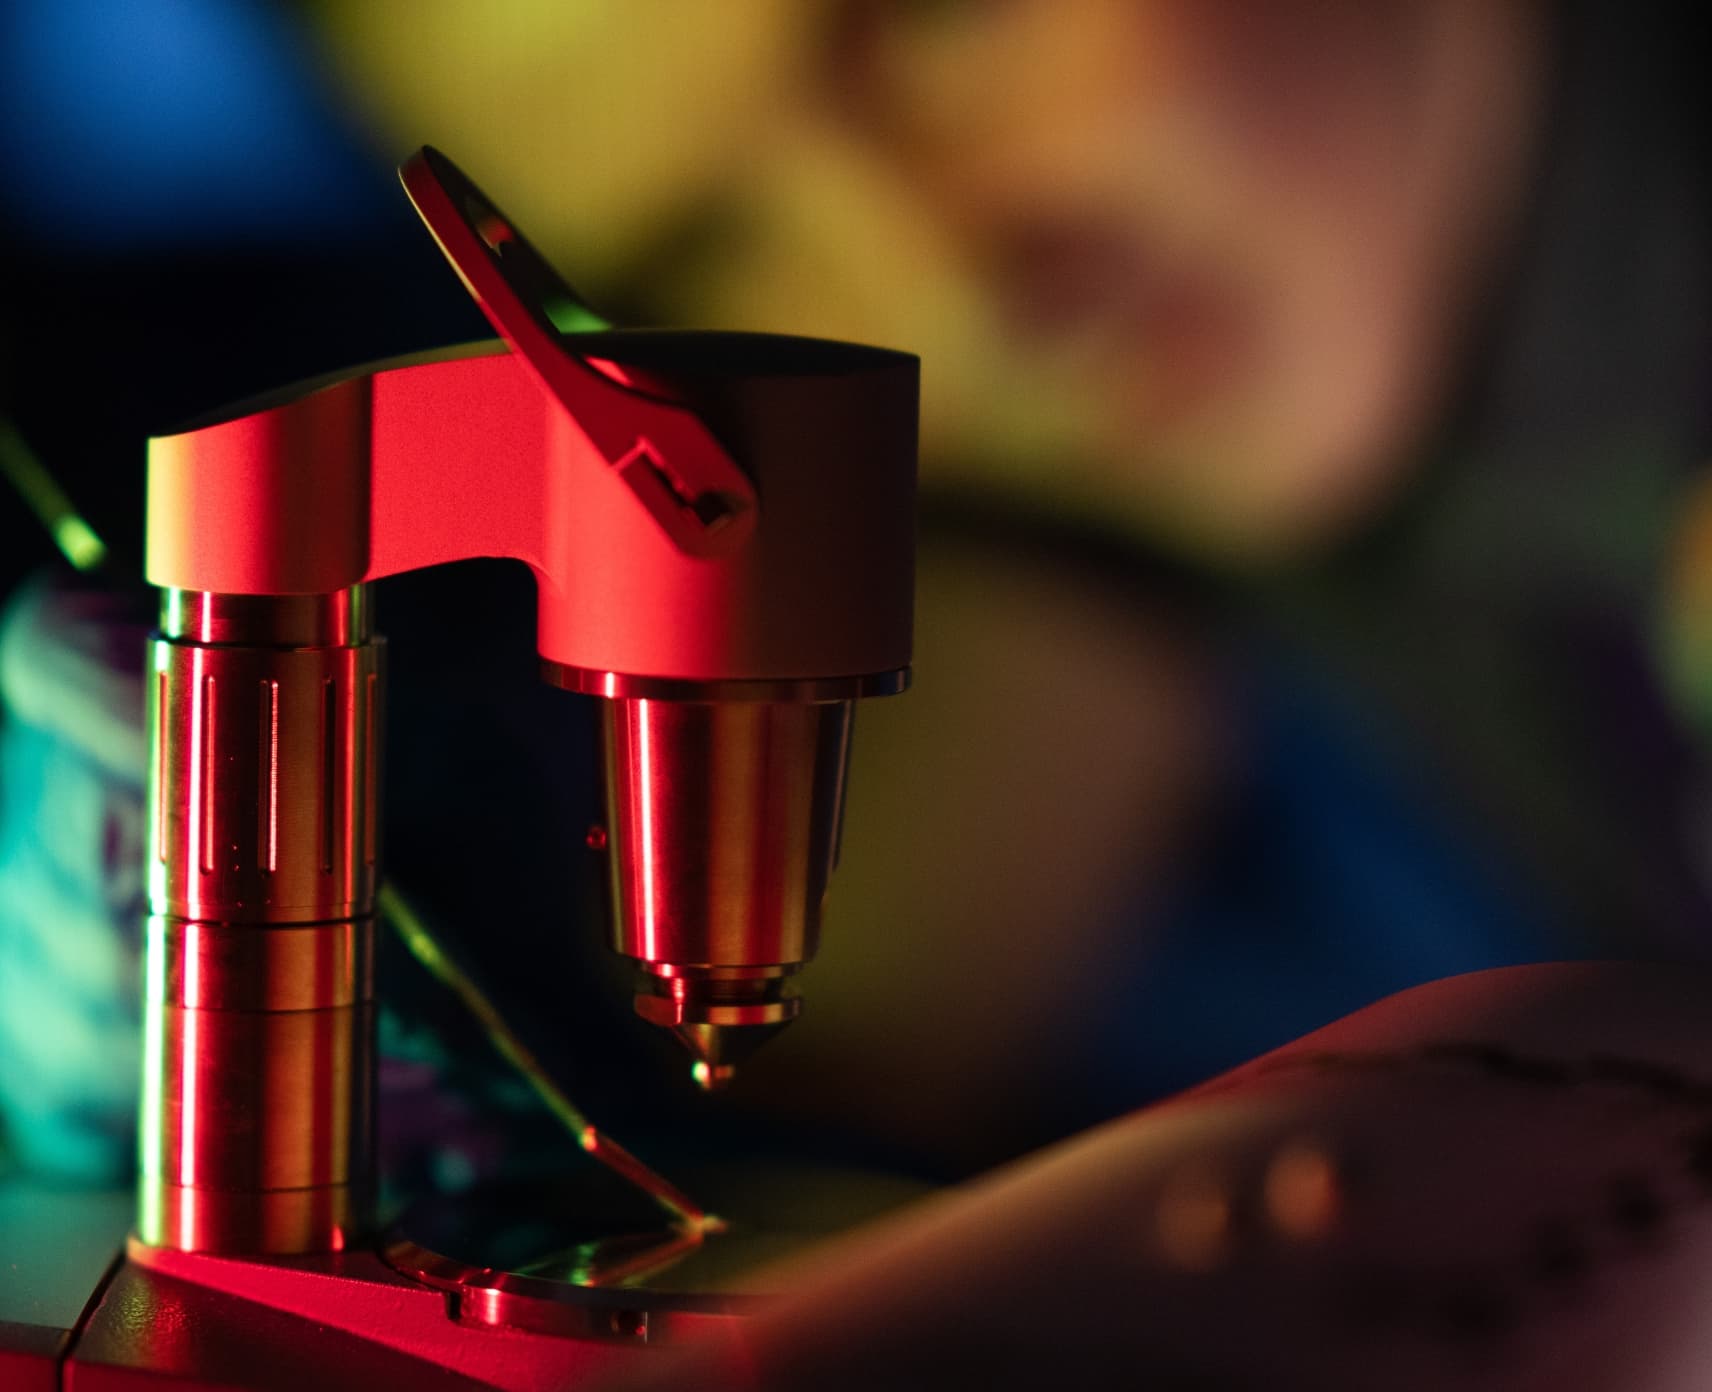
{"type": "Point", "coordinates": [1334, 878]}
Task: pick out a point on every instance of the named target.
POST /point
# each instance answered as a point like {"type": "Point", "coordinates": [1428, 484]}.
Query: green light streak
{"type": "Point", "coordinates": [50, 503]}
{"type": "Point", "coordinates": [573, 316]}
{"type": "Point", "coordinates": [80, 545]}
{"type": "Point", "coordinates": [424, 947]}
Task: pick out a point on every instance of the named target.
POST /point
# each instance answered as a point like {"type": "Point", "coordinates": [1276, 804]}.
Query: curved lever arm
{"type": "Point", "coordinates": [645, 536]}
{"type": "Point", "coordinates": [666, 455]}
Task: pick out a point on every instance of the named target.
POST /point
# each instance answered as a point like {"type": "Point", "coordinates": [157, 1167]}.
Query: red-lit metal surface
{"type": "Point", "coordinates": [258, 1003]}
{"type": "Point", "coordinates": [424, 462]}
{"type": "Point", "coordinates": [725, 824]}
{"type": "Point", "coordinates": [153, 1331]}
{"type": "Point", "coordinates": [662, 452]}
{"type": "Point", "coordinates": [730, 515]}
{"type": "Point", "coordinates": [657, 555]}
{"type": "Point", "coordinates": [348, 1320]}
{"type": "Point", "coordinates": [265, 806]}
{"type": "Point", "coordinates": [29, 1358]}
{"type": "Point", "coordinates": [727, 819]}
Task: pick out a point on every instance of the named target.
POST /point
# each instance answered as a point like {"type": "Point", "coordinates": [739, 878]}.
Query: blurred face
{"type": "Point", "coordinates": [1248, 236]}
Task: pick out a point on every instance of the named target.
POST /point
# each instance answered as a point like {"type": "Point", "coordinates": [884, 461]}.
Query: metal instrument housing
{"type": "Point", "coordinates": [721, 528]}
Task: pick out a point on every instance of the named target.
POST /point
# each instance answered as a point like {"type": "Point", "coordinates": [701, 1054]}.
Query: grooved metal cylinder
{"type": "Point", "coordinates": [258, 1006]}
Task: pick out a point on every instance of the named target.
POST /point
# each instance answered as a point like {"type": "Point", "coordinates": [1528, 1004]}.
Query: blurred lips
{"type": "Point", "coordinates": [1166, 337]}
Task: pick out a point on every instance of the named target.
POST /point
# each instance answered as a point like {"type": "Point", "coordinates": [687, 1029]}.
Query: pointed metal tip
{"type": "Point", "coordinates": [712, 1077]}
{"type": "Point", "coordinates": [720, 1023]}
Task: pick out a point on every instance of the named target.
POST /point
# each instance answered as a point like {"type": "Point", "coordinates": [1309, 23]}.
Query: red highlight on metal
{"type": "Point", "coordinates": [430, 460]}
{"type": "Point", "coordinates": [721, 527]}
{"type": "Point", "coordinates": [657, 554]}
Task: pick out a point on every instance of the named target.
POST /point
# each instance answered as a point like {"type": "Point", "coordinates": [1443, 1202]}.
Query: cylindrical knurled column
{"type": "Point", "coordinates": [258, 1068]}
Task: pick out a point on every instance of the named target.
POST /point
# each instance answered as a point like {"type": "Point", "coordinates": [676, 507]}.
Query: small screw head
{"type": "Point", "coordinates": [595, 838]}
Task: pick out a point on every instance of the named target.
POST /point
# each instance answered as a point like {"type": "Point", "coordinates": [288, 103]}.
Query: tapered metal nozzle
{"type": "Point", "coordinates": [719, 1049]}
{"type": "Point", "coordinates": [722, 831]}
{"type": "Point", "coordinates": [721, 1022]}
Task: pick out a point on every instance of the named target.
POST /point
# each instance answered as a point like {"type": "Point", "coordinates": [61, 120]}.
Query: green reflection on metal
{"type": "Point", "coordinates": [154, 812]}
{"type": "Point", "coordinates": [149, 1125]}
{"type": "Point", "coordinates": [573, 316]}
{"type": "Point", "coordinates": [626, 1260]}
{"type": "Point", "coordinates": [584, 1264]}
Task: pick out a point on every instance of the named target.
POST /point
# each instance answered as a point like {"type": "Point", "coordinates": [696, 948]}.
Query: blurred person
{"type": "Point", "coordinates": [1384, 320]}
{"type": "Point", "coordinates": [1391, 321]}
{"type": "Point", "coordinates": [1252, 237]}
{"type": "Point", "coordinates": [1386, 323]}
